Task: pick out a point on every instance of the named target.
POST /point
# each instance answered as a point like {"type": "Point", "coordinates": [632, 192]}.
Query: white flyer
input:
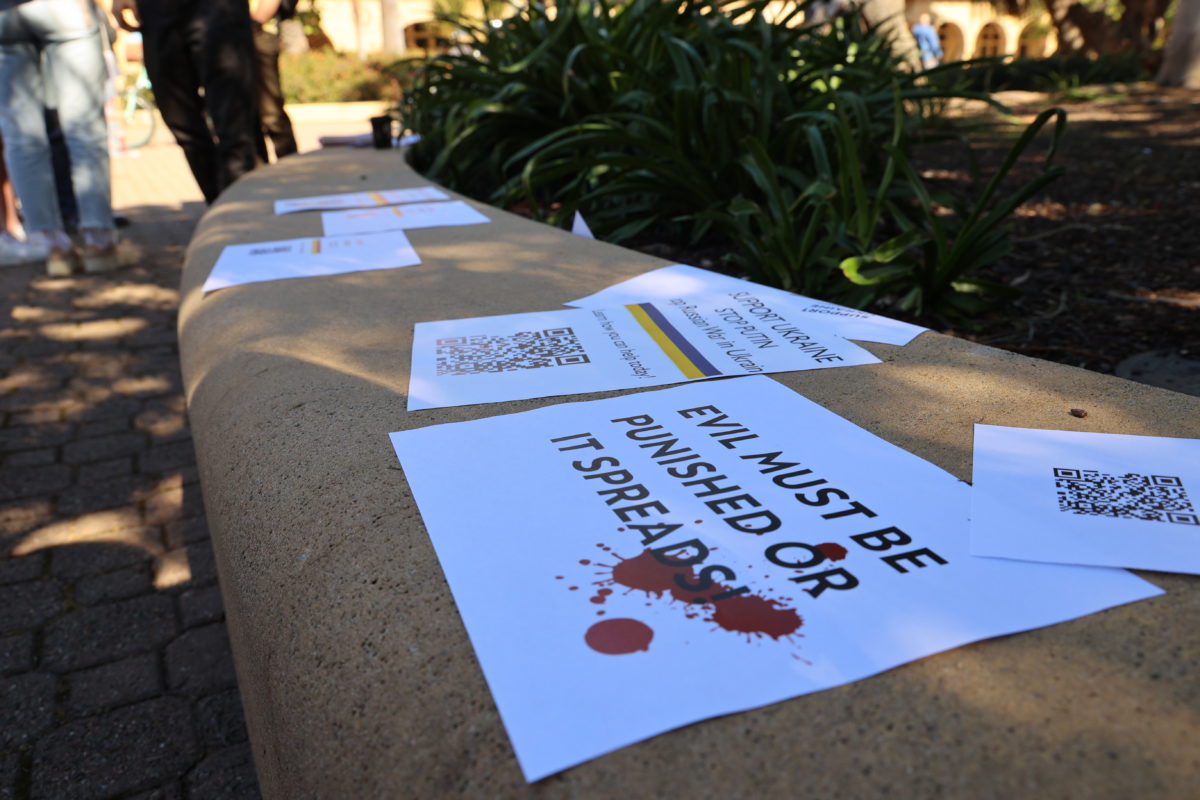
{"type": "Point", "coordinates": [569, 351]}
{"type": "Point", "coordinates": [681, 280]}
{"type": "Point", "coordinates": [309, 257]}
{"type": "Point", "coordinates": [382, 197]}
{"type": "Point", "coordinates": [394, 218]}
{"type": "Point", "coordinates": [1072, 497]}
{"type": "Point", "coordinates": [631, 565]}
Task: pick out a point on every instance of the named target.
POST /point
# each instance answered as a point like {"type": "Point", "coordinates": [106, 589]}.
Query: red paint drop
{"type": "Point", "coordinates": [558, 577]}
{"type": "Point", "coordinates": [647, 574]}
{"type": "Point", "coordinates": [834, 552]}
{"type": "Point", "coordinates": [699, 521]}
{"type": "Point", "coordinates": [572, 588]}
{"type": "Point", "coordinates": [619, 636]}
{"type": "Point", "coordinates": [749, 613]}
{"type": "Point", "coordinates": [584, 561]}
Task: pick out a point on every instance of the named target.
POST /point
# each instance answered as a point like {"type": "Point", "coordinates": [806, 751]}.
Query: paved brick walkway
{"type": "Point", "coordinates": [116, 679]}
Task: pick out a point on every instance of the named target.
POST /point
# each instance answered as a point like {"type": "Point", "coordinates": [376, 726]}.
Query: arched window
{"type": "Point", "coordinates": [951, 38]}
{"type": "Point", "coordinates": [424, 36]}
{"type": "Point", "coordinates": [1032, 41]}
{"type": "Point", "coordinates": [990, 42]}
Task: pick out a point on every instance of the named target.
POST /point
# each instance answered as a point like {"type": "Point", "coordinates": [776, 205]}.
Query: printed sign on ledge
{"type": "Point", "coordinates": [309, 257]}
{"type": "Point", "coordinates": [382, 197]}
{"type": "Point", "coordinates": [680, 280]}
{"type": "Point", "coordinates": [570, 351]}
{"type": "Point", "coordinates": [396, 218]}
{"type": "Point", "coordinates": [1072, 497]}
{"type": "Point", "coordinates": [631, 565]}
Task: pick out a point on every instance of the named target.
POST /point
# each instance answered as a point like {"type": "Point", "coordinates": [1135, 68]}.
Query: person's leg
{"type": "Point", "coordinates": [24, 128]}
{"type": "Point", "coordinates": [221, 31]}
{"type": "Point", "coordinates": [176, 84]}
{"type": "Point", "coordinates": [275, 120]}
{"type": "Point", "coordinates": [8, 201]}
{"type": "Point", "coordinates": [14, 249]}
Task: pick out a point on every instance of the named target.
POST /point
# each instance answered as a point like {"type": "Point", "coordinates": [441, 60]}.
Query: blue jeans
{"type": "Point", "coordinates": [54, 45]}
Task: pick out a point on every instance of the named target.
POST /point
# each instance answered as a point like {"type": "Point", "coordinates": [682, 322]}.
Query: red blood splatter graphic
{"type": "Point", "coordinates": [584, 561]}
{"type": "Point", "coordinates": [572, 588]}
{"type": "Point", "coordinates": [834, 552]}
{"type": "Point", "coordinates": [647, 574]}
{"type": "Point", "coordinates": [619, 636]}
{"type": "Point", "coordinates": [601, 596]}
{"type": "Point", "coordinates": [751, 614]}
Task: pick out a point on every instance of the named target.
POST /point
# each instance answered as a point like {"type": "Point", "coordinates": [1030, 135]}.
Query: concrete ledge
{"type": "Point", "coordinates": [356, 672]}
{"type": "Point", "coordinates": [338, 112]}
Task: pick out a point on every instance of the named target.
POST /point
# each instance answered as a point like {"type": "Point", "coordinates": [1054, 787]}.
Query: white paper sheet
{"type": "Point", "coordinates": [309, 257]}
{"type": "Point", "coordinates": [546, 523]}
{"type": "Point", "coordinates": [579, 227]}
{"type": "Point", "coordinates": [569, 351]}
{"type": "Point", "coordinates": [680, 280]}
{"type": "Point", "coordinates": [383, 197]}
{"type": "Point", "coordinates": [394, 218]}
{"type": "Point", "coordinates": [1087, 498]}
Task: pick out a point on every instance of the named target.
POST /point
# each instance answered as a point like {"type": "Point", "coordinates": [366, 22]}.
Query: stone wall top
{"type": "Point", "coordinates": [356, 672]}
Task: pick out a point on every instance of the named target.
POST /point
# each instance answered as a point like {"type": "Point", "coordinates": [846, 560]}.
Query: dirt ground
{"type": "Point", "coordinates": [1108, 256]}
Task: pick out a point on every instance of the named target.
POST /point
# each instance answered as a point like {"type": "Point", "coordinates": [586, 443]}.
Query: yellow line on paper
{"type": "Point", "coordinates": [673, 352]}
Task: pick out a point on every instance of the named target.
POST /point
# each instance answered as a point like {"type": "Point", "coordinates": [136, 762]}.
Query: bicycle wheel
{"type": "Point", "coordinates": [137, 121]}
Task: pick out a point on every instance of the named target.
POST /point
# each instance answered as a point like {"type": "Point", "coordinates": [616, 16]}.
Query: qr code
{"type": "Point", "coordinates": [471, 355]}
{"type": "Point", "coordinates": [1159, 498]}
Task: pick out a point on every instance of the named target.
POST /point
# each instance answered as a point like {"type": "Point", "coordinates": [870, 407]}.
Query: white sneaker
{"type": "Point", "coordinates": [13, 251]}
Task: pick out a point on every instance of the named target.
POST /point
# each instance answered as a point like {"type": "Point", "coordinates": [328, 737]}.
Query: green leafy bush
{"type": "Point", "coordinates": [326, 76]}
{"type": "Point", "coordinates": [707, 120]}
{"type": "Point", "coordinates": [1056, 73]}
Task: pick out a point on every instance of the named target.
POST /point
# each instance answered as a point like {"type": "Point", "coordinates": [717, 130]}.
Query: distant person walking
{"type": "Point", "coordinates": [54, 47]}
{"type": "Point", "coordinates": [928, 43]}
{"type": "Point", "coordinates": [265, 17]}
{"type": "Point", "coordinates": [194, 45]}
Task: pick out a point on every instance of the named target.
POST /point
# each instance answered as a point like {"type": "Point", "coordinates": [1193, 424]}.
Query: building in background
{"type": "Point", "coordinates": [967, 29]}
{"type": "Point", "coordinates": [979, 29]}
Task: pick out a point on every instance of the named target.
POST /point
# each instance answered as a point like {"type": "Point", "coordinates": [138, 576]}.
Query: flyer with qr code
{"type": "Point", "coordinates": [570, 351]}
{"type": "Point", "coordinates": [681, 280]}
{"type": "Point", "coordinates": [630, 565]}
{"type": "Point", "coordinates": [309, 257]}
{"type": "Point", "coordinates": [381, 197]}
{"type": "Point", "coordinates": [1071, 497]}
{"type": "Point", "coordinates": [395, 218]}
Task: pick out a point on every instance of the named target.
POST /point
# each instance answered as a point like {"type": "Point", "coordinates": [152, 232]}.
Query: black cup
{"type": "Point", "coordinates": [381, 132]}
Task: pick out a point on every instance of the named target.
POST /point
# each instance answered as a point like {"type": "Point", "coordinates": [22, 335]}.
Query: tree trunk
{"type": "Point", "coordinates": [1181, 64]}
{"type": "Point", "coordinates": [393, 26]}
{"type": "Point", "coordinates": [889, 16]}
{"type": "Point", "coordinates": [360, 29]}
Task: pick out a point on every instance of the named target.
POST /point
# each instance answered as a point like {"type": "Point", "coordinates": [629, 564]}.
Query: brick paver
{"type": "Point", "coordinates": [116, 679]}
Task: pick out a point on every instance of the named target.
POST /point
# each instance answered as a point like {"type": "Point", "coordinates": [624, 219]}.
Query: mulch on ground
{"type": "Point", "coordinates": [1108, 256]}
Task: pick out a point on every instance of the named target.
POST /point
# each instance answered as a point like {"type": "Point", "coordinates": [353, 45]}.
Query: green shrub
{"type": "Point", "coordinates": [1056, 73]}
{"type": "Point", "coordinates": [706, 120]}
{"type": "Point", "coordinates": [326, 76]}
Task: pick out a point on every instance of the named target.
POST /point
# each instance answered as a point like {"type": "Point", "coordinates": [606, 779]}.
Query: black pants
{"type": "Point", "coordinates": [191, 45]}
{"type": "Point", "coordinates": [275, 122]}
